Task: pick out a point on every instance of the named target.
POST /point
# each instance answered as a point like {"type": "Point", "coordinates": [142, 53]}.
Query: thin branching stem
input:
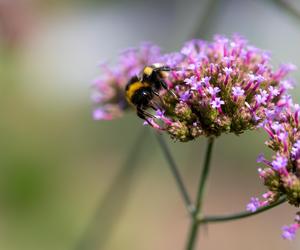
{"type": "Point", "coordinates": [174, 169]}
{"type": "Point", "coordinates": [204, 175]}
{"type": "Point", "coordinates": [241, 215]}
{"type": "Point", "coordinates": [199, 201]}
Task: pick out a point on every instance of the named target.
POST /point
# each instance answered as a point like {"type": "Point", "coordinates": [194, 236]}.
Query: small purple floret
{"type": "Point", "coordinates": [289, 232]}
{"type": "Point", "coordinates": [279, 163]}
{"type": "Point", "coordinates": [216, 103]}
{"type": "Point", "coordinates": [237, 91]}
{"type": "Point", "coordinates": [253, 205]}
{"type": "Point", "coordinates": [213, 91]}
{"type": "Point", "coordinates": [296, 150]}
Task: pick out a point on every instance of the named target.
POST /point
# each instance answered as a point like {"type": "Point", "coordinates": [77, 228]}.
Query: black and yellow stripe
{"type": "Point", "coordinates": [133, 87]}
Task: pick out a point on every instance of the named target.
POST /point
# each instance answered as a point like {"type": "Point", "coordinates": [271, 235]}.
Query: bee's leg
{"type": "Point", "coordinates": [160, 80]}
{"type": "Point", "coordinates": [155, 93]}
{"type": "Point", "coordinates": [161, 100]}
{"type": "Point", "coordinates": [165, 86]}
{"type": "Point", "coordinates": [153, 107]}
{"type": "Point", "coordinates": [144, 114]}
{"type": "Point", "coordinates": [173, 94]}
{"type": "Point", "coordinates": [141, 113]}
{"type": "Point", "coordinates": [158, 104]}
{"type": "Point", "coordinates": [148, 114]}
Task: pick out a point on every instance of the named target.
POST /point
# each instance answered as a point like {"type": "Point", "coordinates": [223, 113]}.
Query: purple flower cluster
{"type": "Point", "coordinates": [224, 86]}
{"type": "Point", "coordinates": [109, 88]}
{"type": "Point", "coordinates": [281, 174]}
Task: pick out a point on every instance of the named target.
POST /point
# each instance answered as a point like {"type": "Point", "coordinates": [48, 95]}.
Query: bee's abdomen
{"type": "Point", "coordinates": [132, 81]}
{"type": "Point", "coordinates": [133, 86]}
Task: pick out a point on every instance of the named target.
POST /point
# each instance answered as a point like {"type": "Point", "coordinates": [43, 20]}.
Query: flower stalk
{"type": "Point", "coordinates": [241, 215]}
{"type": "Point", "coordinates": [199, 201]}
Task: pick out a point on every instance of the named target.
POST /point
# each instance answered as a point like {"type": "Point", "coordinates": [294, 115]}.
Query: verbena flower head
{"type": "Point", "coordinates": [109, 88]}
{"type": "Point", "coordinates": [281, 174]}
{"type": "Point", "coordinates": [224, 86]}
{"type": "Point", "coordinates": [221, 87]}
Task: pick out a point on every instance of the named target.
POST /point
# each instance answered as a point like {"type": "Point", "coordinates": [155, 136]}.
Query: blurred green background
{"type": "Point", "coordinates": [68, 182]}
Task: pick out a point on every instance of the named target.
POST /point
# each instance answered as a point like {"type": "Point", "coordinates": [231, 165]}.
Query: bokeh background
{"type": "Point", "coordinates": [68, 182]}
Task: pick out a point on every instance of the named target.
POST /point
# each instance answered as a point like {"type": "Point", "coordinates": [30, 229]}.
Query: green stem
{"type": "Point", "coordinates": [174, 169]}
{"type": "Point", "coordinates": [202, 183]}
{"type": "Point", "coordinates": [241, 215]}
{"type": "Point", "coordinates": [204, 175]}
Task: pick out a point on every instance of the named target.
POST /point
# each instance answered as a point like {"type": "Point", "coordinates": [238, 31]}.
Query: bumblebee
{"type": "Point", "coordinates": [141, 91]}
